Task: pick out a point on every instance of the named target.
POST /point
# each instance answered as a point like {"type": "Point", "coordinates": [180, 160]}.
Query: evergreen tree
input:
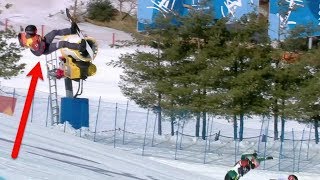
{"type": "Point", "coordinates": [306, 106]}
{"type": "Point", "coordinates": [287, 77]}
{"type": "Point", "coordinates": [245, 70]}
{"type": "Point", "coordinates": [10, 54]}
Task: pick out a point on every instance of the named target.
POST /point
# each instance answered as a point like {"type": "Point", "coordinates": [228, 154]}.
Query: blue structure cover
{"type": "Point", "coordinates": [293, 13]}
{"type": "Point", "coordinates": [148, 10]}
{"type": "Point", "coordinates": [75, 111]}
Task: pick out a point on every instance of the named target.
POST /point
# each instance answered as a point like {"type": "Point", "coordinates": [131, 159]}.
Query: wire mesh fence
{"type": "Point", "coordinates": [133, 129]}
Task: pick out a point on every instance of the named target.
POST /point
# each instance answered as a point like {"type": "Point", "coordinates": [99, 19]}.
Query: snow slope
{"type": "Point", "coordinates": [48, 154]}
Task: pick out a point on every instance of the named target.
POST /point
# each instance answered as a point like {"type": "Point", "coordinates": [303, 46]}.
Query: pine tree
{"type": "Point", "coordinates": [306, 106]}
{"type": "Point", "coordinates": [244, 70]}
{"type": "Point", "coordinates": [10, 54]}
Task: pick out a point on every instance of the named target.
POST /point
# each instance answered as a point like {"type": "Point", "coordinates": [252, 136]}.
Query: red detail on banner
{"type": "Point", "coordinates": [7, 105]}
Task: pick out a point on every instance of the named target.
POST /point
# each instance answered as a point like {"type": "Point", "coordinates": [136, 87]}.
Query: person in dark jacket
{"type": "Point", "coordinates": [43, 45]}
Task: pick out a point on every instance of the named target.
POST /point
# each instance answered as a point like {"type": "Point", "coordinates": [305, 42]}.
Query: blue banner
{"type": "Point", "coordinates": [149, 9]}
{"type": "Point", "coordinates": [234, 8]}
{"type": "Point", "coordinates": [291, 13]}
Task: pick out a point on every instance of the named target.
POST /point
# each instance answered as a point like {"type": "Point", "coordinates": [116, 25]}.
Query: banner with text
{"type": "Point", "coordinates": [287, 14]}
{"type": "Point", "coordinates": [148, 10]}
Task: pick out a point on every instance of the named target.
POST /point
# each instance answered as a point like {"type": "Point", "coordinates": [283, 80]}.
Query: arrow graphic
{"type": "Point", "coordinates": [36, 73]}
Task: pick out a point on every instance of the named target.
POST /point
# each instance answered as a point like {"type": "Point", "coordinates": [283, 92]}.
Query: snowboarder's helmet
{"type": "Point", "coordinates": [31, 30]}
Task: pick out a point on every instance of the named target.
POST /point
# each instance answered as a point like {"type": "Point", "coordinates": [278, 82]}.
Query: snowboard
{"type": "Point", "coordinates": [79, 33]}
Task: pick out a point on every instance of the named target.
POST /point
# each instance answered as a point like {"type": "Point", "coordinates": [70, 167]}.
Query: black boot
{"type": "Point", "coordinates": [82, 49]}
{"type": "Point", "coordinates": [73, 28]}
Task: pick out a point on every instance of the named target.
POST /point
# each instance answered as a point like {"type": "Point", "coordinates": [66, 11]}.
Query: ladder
{"type": "Point", "coordinates": [52, 64]}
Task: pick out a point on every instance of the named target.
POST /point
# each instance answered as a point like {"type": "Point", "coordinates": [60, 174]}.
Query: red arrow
{"type": "Point", "coordinates": [35, 73]}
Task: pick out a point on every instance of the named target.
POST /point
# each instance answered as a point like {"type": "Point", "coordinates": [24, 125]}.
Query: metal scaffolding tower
{"type": "Point", "coordinates": [52, 64]}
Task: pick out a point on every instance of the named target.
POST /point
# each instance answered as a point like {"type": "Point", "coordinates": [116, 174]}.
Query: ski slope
{"type": "Point", "coordinates": [50, 154]}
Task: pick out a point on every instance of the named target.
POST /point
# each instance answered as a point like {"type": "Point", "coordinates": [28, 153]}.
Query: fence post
{"type": "Point", "coordinates": [145, 133]}
{"type": "Point", "coordinates": [260, 133]}
{"type": "Point", "coordinates": [125, 123]}
{"type": "Point", "coordinates": [177, 133]}
{"type": "Point", "coordinates": [235, 150]}
{"type": "Point", "coordinates": [309, 141]}
{"type": "Point", "coordinates": [97, 118]}
{"type": "Point", "coordinates": [294, 153]}
{"type": "Point", "coordinates": [6, 24]}
{"type": "Point", "coordinates": [115, 126]}
{"type": "Point", "coordinates": [265, 143]}
{"type": "Point", "coordinates": [47, 111]}
{"type": "Point", "coordinates": [280, 153]}
{"type": "Point", "coordinates": [210, 135]}
{"type": "Point", "coordinates": [205, 146]}
{"type": "Point", "coordinates": [300, 150]}
{"type": "Point", "coordinates": [154, 128]}
{"type": "Point", "coordinates": [65, 126]}
{"type": "Point", "coordinates": [180, 145]}
{"type": "Point", "coordinates": [113, 38]}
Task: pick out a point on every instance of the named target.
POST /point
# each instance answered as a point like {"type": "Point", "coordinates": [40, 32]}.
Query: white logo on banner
{"type": "Point", "coordinates": [162, 6]}
{"type": "Point", "coordinates": [293, 5]}
{"type": "Point", "coordinates": [232, 6]}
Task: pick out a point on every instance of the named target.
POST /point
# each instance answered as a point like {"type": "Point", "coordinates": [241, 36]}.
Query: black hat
{"type": "Point", "coordinates": [31, 30]}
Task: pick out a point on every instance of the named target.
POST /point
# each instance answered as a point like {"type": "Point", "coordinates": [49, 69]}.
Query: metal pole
{"type": "Point", "coordinates": [210, 134]}
{"type": "Point", "coordinates": [97, 118]}
{"type": "Point", "coordinates": [47, 111]}
{"type": "Point", "coordinates": [309, 141]}
{"type": "Point", "coordinates": [300, 150]}
{"type": "Point", "coordinates": [6, 24]}
{"type": "Point", "coordinates": [235, 150]}
{"type": "Point", "coordinates": [68, 87]}
{"type": "Point", "coordinates": [180, 145]}
{"type": "Point", "coordinates": [260, 133]}
{"type": "Point", "coordinates": [115, 126]}
{"type": "Point", "coordinates": [177, 134]}
{"type": "Point", "coordinates": [265, 143]}
{"type": "Point", "coordinates": [65, 125]}
{"type": "Point", "coordinates": [280, 154]}
{"type": "Point", "coordinates": [294, 153]}
{"type": "Point", "coordinates": [145, 133]}
{"type": "Point", "coordinates": [154, 128]}
{"type": "Point", "coordinates": [205, 146]}
{"type": "Point", "coordinates": [125, 123]}
{"type": "Point", "coordinates": [309, 42]}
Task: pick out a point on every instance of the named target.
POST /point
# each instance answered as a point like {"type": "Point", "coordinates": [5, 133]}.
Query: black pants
{"type": "Point", "coordinates": [51, 47]}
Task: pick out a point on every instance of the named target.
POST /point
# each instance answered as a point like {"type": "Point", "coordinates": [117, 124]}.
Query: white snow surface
{"type": "Point", "coordinates": [50, 154]}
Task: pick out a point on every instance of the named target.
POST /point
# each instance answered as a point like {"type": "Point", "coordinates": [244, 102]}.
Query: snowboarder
{"type": "Point", "coordinates": [244, 165]}
{"type": "Point", "coordinates": [43, 45]}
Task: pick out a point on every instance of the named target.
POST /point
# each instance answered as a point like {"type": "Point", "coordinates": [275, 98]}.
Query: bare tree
{"type": "Point", "coordinates": [79, 10]}
{"type": "Point", "coordinates": [131, 6]}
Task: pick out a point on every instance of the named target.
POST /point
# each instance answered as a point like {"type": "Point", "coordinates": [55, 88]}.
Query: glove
{"type": "Point", "coordinates": [269, 157]}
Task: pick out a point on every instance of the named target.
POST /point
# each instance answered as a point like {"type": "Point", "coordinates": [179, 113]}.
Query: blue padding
{"type": "Point", "coordinates": [75, 111]}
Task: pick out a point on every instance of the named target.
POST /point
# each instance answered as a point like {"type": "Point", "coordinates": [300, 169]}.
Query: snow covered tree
{"type": "Point", "coordinates": [10, 54]}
